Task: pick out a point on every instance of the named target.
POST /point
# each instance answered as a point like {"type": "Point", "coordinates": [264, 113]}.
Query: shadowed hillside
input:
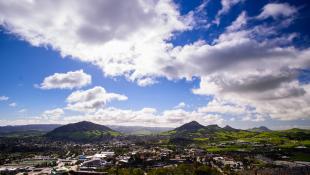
{"type": "Point", "coordinates": [82, 131]}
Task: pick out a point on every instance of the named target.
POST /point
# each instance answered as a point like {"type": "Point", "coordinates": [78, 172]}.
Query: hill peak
{"type": "Point", "coordinates": [84, 122]}
{"type": "Point", "coordinates": [260, 129]}
{"type": "Point", "coordinates": [213, 128]}
{"type": "Point", "coordinates": [83, 126]}
{"type": "Point", "coordinates": [191, 126]}
{"type": "Point", "coordinates": [81, 131]}
{"type": "Point", "coordinates": [229, 128]}
{"type": "Point", "coordinates": [192, 123]}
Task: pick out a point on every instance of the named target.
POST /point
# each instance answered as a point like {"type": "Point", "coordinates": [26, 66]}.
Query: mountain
{"type": "Point", "coordinates": [260, 129]}
{"type": "Point", "coordinates": [229, 128]}
{"type": "Point", "coordinates": [21, 128]}
{"type": "Point", "coordinates": [82, 131]}
{"type": "Point", "coordinates": [213, 128]}
{"type": "Point", "coordinates": [194, 129]}
{"type": "Point", "coordinates": [190, 127]}
{"type": "Point", "coordinates": [139, 130]}
{"type": "Point", "coordinates": [195, 133]}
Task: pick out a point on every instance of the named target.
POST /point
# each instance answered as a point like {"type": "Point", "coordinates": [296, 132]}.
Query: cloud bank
{"type": "Point", "coordinates": [255, 68]}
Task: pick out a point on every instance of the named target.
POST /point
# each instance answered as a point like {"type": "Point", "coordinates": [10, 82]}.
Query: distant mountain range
{"type": "Point", "coordinates": [44, 128]}
{"type": "Point", "coordinates": [260, 129]}
{"type": "Point", "coordinates": [197, 128]}
{"type": "Point", "coordinates": [88, 131]}
{"type": "Point", "coordinates": [193, 132]}
{"type": "Point", "coordinates": [139, 130]}
{"type": "Point", "coordinates": [229, 128]}
{"type": "Point", "coordinates": [20, 128]}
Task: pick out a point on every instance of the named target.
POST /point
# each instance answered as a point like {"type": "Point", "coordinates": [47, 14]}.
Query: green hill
{"type": "Point", "coordinates": [83, 132]}
{"type": "Point", "coordinates": [194, 132]}
{"type": "Point", "coordinates": [260, 129]}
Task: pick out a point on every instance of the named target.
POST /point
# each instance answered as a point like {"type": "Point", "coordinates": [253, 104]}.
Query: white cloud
{"type": "Point", "coordinates": [99, 32]}
{"type": "Point", "coordinates": [13, 104]}
{"type": "Point", "coordinates": [22, 110]}
{"type": "Point", "coordinates": [238, 23]}
{"type": "Point", "coordinates": [53, 114]}
{"type": "Point", "coordinates": [69, 80]}
{"type": "Point", "coordinates": [115, 116]}
{"type": "Point", "coordinates": [146, 81]}
{"type": "Point", "coordinates": [147, 117]}
{"type": "Point", "coordinates": [276, 10]}
{"type": "Point", "coordinates": [253, 72]}
{"type": "Point", "coordinates": [4, 98]}
{"type": "Point", "coordinates": [91, 99]}
{"type": "Point", "coordinates": [255, 67]}
{"type": "Point", "coordinates": [226, 6]}
{"type": "Point", "coordinates": [223, 107]}
{"type": "Point", "coordinates": [180, 105]}
{"type": "Point", "coordinates": [278, 99]}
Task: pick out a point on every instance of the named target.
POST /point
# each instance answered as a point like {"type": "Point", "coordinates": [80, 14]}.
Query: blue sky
{"type": "Point", "coordinates": [243, 63]}
{"type": "Point", "coordinates": [32, 64]}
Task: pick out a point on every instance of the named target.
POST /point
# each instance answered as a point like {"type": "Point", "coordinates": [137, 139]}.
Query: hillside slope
{"type": "Point", "coordinates": [82, 131]}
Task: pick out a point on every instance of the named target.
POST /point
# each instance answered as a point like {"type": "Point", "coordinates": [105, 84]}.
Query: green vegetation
{"type": "Point", "coordinates": [227, 148]}
{"type": "Point", "coordinates": [167, 133]}
{"type": "Point", "coordinates": [301, 156]}
{"type": "Point", "coordinates": [141, 132]}
{"type": "Point", "coordinates": [201, 139]}
{"type": "Point", "coordinates": [86, 135]}
{"type": "Point", "coordinates": [216, 139]}
{"type": "Point", "coordinates": [19, 134]}
{"type": "Point", "coordinates": [182, 169]}
{"type": "Point", "coordinates": [125, 171]}
{"type": "Point", "coordinates": [83, 132]}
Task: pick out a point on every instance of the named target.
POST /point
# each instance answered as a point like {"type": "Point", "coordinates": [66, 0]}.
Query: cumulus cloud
{"type": "Point", "coordinates": [99, 32]}
{"type": "Point", "coordinates": [22, 110]}
{"type": "Point", "coordinates": [223, 107]}
{"type": "Point", "coordinates": [180, 105]}
{"type": "Point", "coordinates": [4, 98]}
{"type": "Point", "coordinates": [91, 99]}
{"type": "Point", "coordinates": [250, 66]}
{"type": "Point", "coordinates": [276, 10]}
{"type": "Point", "coordinates": [13, 104]}
{"type": "Point", "coordinates": [249, 71]}
{"type": "Point", "coordinates": [147, 117]}
{"type": "Point", "coordinates": [69, 80]}
{"type": "Point", "coordinates": [53, 114]}
{"type": "Point", "coordinates": [116, 116]}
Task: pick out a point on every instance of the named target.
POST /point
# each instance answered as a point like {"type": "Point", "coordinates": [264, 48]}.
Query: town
{"type": "Point", "coordinates": [151, 154]}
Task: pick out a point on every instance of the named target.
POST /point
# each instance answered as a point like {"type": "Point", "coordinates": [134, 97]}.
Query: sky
{"type": "Point", "coordinates": [242, 63]}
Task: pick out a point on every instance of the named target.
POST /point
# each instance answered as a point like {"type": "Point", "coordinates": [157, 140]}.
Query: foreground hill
{"type": "Point", "coordinates": [82, 131]}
